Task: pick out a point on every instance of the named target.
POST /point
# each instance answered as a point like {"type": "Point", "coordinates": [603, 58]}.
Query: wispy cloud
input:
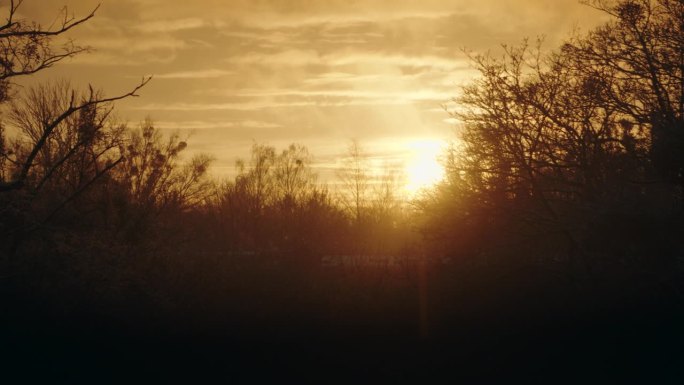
{"type": "Point", "coordinates": [262, 105]}
{"type": "Point", "coordinates": [196, 74]}
{"type": "Point", "coordinates": [213, 125]}
{"type": "Point", "coordinates": [153, 26]}
{"type": "Point", "coordinates": [351, 95]}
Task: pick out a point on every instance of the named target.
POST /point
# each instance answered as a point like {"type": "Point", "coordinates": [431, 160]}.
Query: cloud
{"type": "Point", "coordinates": [371, 61]}
{"type": "Point", "coordinates": [264, 105]}
{"type": "Point", "coordinates": [213, 125]}
{"type": "Point", "coordinates": [197, 74]}
{"type": "Point", "coordinates": [153, 26]}
{"type": "Point", "coordinates": [352, 96]}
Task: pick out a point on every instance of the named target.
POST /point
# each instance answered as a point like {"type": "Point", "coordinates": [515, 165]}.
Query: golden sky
{"type": "Point", "coordinates": [314, 72]}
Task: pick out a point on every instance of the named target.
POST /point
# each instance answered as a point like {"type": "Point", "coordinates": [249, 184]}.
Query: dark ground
{"type": "Point", "coordinates": [472, 331]}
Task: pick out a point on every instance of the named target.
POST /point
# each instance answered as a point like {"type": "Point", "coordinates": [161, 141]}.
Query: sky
{"type": "Point", "coordinates": [232, 72]}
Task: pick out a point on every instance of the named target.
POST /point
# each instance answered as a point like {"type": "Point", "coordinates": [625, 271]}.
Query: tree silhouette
{"type": "Point", "coordinates": [563, 151]}
{"type": "Point", "coordinates": [355, 181]}
{"type": "Point", "coordinates": [153, 174]}
{"type": "Point", "coordinates": [66, 140]}
{"type": "Point", "coordinates": [638, 66]}
{"type": "Point", "coordinates": [292, 173]}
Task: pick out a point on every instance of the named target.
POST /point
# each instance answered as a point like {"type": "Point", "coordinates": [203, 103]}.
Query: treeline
{"type": "Point", "coordinates": [130, 187]}
{"type": "Point", "coordinates": [98, 216]}
{"type": "Point", "coordinates": [120, 208]}
{"type": "Point", "coordinates": [276, 206]}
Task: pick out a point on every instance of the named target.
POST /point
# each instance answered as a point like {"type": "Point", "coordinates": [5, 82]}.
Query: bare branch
{"type": "Point", "coordinates": [50, 127]}
{"type": "Point", "coordinates": [66, 25]}
{"type": "Point", "coordinates": [48, 62]}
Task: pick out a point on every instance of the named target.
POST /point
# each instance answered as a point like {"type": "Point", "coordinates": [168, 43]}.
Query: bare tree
{"type": "Point", "coordinates": [153, 172]}
{"type": "Point", "coordinates": [52, 115]}
{"type": "Point", "coordinates": [555, 146]}
{"type": "Point", "coordinates": [27, 48]}
{"type": "Point", "coordinates": [355, 180]}
{"type": "Point", "coordinates": [66, 141]}
{"type": "Point", "coordinates": [639, 56]}
{"type": "Point", "coordinates": [80, 149]}
{"type": "Point", "coordinates": [387, 199]}
{"type": "Point", "coordinates": [292, 172]}
{"type": "Point", "coordinates": [256, 177]}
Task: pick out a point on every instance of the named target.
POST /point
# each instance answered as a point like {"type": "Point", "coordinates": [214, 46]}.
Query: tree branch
{"type": "Point", "coordinates": [66, 25]}
{"type": "Point", "coordinates": [50, 127]}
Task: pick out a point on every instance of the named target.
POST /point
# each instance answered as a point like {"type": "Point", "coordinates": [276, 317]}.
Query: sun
{"type": "Point", "coordinates": [423, 168]}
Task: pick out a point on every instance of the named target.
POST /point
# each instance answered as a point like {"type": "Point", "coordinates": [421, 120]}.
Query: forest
{"type": "Point", "coordinates": [553, 248]}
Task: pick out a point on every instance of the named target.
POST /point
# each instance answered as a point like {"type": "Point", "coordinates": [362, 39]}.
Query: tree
{"type": "Point", "coordinates": [153, 174]}
{"type": "Point", "coordinates": [355, 181]}
{"type": "Point", "coordinates": [41, 123]}
{"type": "Point", "coordinates": [387, 199]}
{"type": "Point", "coordinates": [274, 206]}
{"type": "Point", "coordinates": [257, 177]}
{"type": "Point", "coordinates": [25, 49]}
{"type": "Point", "coordinates": [292, 173]}
{"type": "Point", "coordinates": [373, 204]}
{"type": "Point", "coordinates": [637, 61]}
{"type": "Point", "coordinates": [66, 141]}
{"type": "Point", "coordinates": [558, 150]}
{"type": "Point", "coordinates": [79, 148]}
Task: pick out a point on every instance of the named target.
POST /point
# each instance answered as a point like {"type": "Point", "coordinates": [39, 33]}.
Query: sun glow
{"type": "Point", "coordinates": [423, 168]}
